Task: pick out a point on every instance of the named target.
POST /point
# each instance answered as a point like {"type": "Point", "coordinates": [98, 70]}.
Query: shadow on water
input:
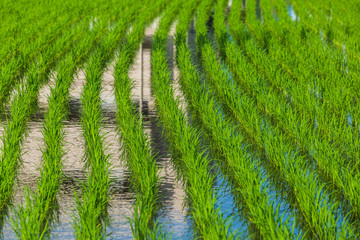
{"type": "Point", "coordinates": [121, 198]}
{"type": "Point", "coordinates": [224, 197]}
{"type": "Point", "coordinates": [173, 213]}
{"type": "Point", "coordinates": [3, 219]}
{"type": "Point", "coordinates": [258, 10]}
{"type": "Point", "coordinates": [243, 11]}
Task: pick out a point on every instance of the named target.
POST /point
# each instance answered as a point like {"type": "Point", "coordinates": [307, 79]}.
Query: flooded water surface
{"type": "Point", "coordinates": [173, 214]}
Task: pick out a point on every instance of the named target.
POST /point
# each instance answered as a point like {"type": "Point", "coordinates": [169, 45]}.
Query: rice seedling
{"type": "Point", "coordinates": [18, 44]}
{"type": "Point", "coordinates": [242, 169]}
{"type": "Point", "coordinates": [92, 205]}
{"type": "Point", "coordinates": [324, 61]}
{"type": "Point", "coordinates": [271, 106]}
{"type": "Point", "coordinates": [333, 88]}
{"type": "Point", "coordinates": [308, 139]}
{"type": "Point", "coordinates": [273, 142]}
{"type": "Point", "coordinates": [336, 75]}
{"type": "Point", "coordinates": [190, 160]}
{"type": "Point", "coordinates": [22, 107]}
{"type": "Point", "coordinates": [296, 127]}
{"type": "Point", "coordinates": [221, 32]}
{"type": "Point", "coordinates": [285, 60]}
{"type": "Point", "coordinates": [34, 220]}
{"type": "Point", "coordinates": [241, 105]}
{"type": "Point", "coordinates": [42, 70]}
{"type": "Point", "coordinates": [25, 32]}
{"type": "Point", "coordinates": [332, 66]}
{"type": "Point", "coordinates": [322, 21]}
{"type": "Point", "coordinates": [137, 151]}
{"type": "Point", "coordinates": [17, 67]}
{"type": "Point", "coordinates": [140, 161]}
{"type": "Point", "coordinates": [192, 164]}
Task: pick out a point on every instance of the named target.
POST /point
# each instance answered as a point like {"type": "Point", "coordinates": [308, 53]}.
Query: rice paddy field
{"type": "Point", "coordinates": [180, 119]}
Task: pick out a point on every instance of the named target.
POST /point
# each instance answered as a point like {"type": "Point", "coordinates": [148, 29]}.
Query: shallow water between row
{"type": "Point", "coordinates": [173, 214]}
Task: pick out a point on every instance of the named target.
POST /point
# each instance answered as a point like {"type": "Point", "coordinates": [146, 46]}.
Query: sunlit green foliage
{"type": "Point", "coordinates": [271, 104]}
{"type": "Point", "coordinates": [140, 161]}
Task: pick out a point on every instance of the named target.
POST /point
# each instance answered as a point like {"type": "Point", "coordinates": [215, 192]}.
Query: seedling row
{"type": "Point", "coordinates": [271, 98]}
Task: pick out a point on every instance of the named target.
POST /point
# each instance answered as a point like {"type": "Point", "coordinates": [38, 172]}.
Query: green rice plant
{"type": "Point", "coordinates": [331, 164]}
{"type": "Point", "coordinates": [25, 33]}
{"type": "Point", "coordinates": [234, 22]}
{"type": "Point", "coordinates": [92, 205]}
{"type": "Point", "coordinates": [141, 163]}
{"type": "Point", "coordinates": [17, 67]}
{"type": "Point", "coordinates": [22, 107]}
{"type": "Point", "coordinates": [191, 162]}
{"type": "Point", "coordinates": [10, 27]}
{"type": "Point", "coordinates": [92, 208]}
{"type": "Point", "coordinates": [18, 43]}
{"type": "Point", "coordinates": [202, 17]}
{"type": "Point", "coordinates": [242, 170]}
{"type": "Point", "coordinates": [333, 67]}
{"type": "Point", "coordinates": [21, 57]}
{"type": "Point", "coordinates": [324, 61]}
{"type": "Point", "coordinates": [34, 219]}
{"type": "Point", "coordinates": [323, 21]}
{"type": "Point", "coordinates": [221, 32]}
{"type": "Point", "coordinates": [167, 20]}
{"type": "Point", "coordinates": [242, 110]}
{"type": "Point", "coordinates": [337, 85]}
{"type": "Point", "coordinates": [332, 126]}
{"type": "Point", "coordinates": [274, 146]}
{"type": "Point", "coordinates": [184, 20]}
{"type": "Point", "coordinates": [188, 156]}
{"type": "Point", "coordinates": [329, 158]}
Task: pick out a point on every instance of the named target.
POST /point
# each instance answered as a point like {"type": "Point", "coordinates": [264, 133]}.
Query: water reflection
{"type": "Point", "coordinates": [121, 199]}
{"type": "Point", "coordinates": [349, 119]}
{"type": "Point", "coordinates": [227, 205]}
{"type": "Point", "coordinates": [173, 214]}
{"type": "Point", "coordinates": [291, 12]}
